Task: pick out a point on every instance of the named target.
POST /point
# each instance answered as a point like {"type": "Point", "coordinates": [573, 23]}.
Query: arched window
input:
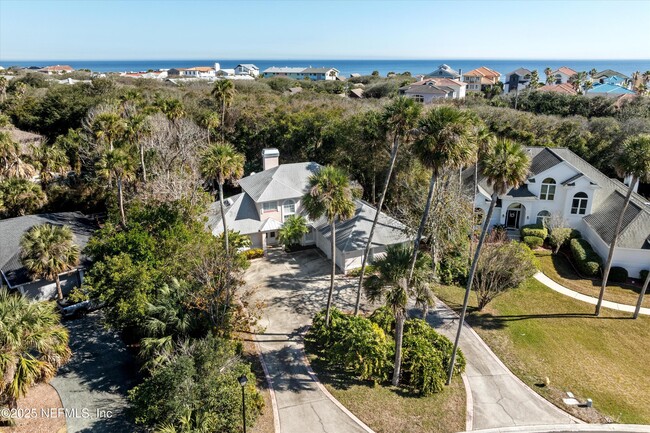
{"type": "Point", "coordinates": [548, 189]}
{"type": "Point", "coordinates": [543, 217]}
{"type": "Point", "coordinates": [579, 204]}
{"type": "Point", "coordinates": [288, 208]}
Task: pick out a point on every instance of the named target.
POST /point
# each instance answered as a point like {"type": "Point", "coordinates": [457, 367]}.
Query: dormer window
{"type": "Point", "coordinates": [548, 189]}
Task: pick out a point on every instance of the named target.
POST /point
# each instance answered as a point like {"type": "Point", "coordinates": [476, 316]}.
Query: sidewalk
{"type": "Point", "coordinates": [500, 399]}
{"type": "Point", "coordinates": [584, 298]}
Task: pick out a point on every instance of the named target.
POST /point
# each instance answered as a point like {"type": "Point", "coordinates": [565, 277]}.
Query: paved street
{"type": "Point", "coordinates": [93, 385]}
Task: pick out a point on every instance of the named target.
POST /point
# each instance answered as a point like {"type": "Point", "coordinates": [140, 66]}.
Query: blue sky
{"type": "Point", "coordinates": [372, 29]}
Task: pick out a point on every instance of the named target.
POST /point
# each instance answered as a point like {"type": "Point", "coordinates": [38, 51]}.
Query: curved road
{"type": "Point", "coordinates": [294, 287]}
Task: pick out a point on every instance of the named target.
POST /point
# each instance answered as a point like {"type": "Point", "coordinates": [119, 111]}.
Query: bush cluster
{"type": "Point", "coordinates": [586, 258]}
{"type": "Point", "coordinates": [364, 347]}
{"type": "Point", "coordinates": [534, 230]}
{"type": "Point", "coordinates": [618, 274]}
{"type": "Point", "coordinates": [254, 253]}
{"type": "Point", "coordinates": [533, 241]}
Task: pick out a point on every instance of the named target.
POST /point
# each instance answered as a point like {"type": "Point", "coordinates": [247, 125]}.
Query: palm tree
{"type": "Point", "coordinates": [118, 164]}
{"type": "Point", "coordinates": [330, 194]}
{"type": "Point", "coordinates": [390, 284]}
{"type": "Point", "coordinates": [633, 160]}
{"type": "Point", "coordinates": [641, 295]}
{"type": "Point", "coordinates": [172, 108]}
{"type": "Point", "coordinates": [221, 164]}
{"type": "Point", "coordinates": [577, 80]}
{"type": "Point", "coordinates": [47, 251]}
{"type": "Point", "coordinates": [534, 80]}
{"type": "Point", "coordinates": [33, 345]}
{"type": "Point", "coordinates": [293, 229]}
{"type": "Point", "coordinates": [210, 122]}
{"type": "Point", "coordinates": [505, 166]}
{"type": "Point", "coordinates": [224, 92]}
{"type": "Point", "coordinates": [20, 89]}
{"type": "Point", "coordinates": [107, 128]}
{"type": "Point", "coordinates": [137, 129]}
{"type": "Point", "coordinates": [593, 72]}
{"type": "Point", "coordinates": [21, 196]}
{"type": "Point", "coordinates": [50, 161]}
{"type": "Point", "coordinates": [11, 163]}
{"type": "Point", "coordinates": [549, 75]}
{"type": "Point", "coordinates": [4, 83]}
{"type": "Point", "coordinates": [399, 117]}
{"type": "Point", "coordinates": [446, 139]}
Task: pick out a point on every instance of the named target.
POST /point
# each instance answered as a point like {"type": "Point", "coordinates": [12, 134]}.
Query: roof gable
{"type": "Point", "coordinates": [279, 183]}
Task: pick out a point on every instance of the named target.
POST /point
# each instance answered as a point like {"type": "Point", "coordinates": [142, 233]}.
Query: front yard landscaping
{"type": "Point", "coordinates": [558, 268]}
{"type": "Point", "coordinates": [542, 334]}
{"type": "Point", "coordinates": [388, 409]}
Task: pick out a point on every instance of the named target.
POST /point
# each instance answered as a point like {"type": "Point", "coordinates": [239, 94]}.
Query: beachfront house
{"type": "Point", "coordinates": [430, 89]}
{"type": "Point", "coordinates": [481, 78]}
{"type": "Point", "coordinates": [269, 197]}
{"type": "Point", "coordinates": [562, 184]}
{"type": "Point", "coordinates": [247, 69]}
{"type": "Point", "coordinates": [444, 71]}
{"type": "Point", "coordinates": [56, 69]}
{"type": "Point", "coordinates": [517, 80]}
{"type": "Point", "coordinates": [563, 75]}
{"type": "Point", "coordinates": [12, 272]}
{"type": "Point", "coordinates": [316, 74]}
{"type": "Point", "coordinates": [603, 76]}
{"type": "Point", "coordinates": [565, 89]}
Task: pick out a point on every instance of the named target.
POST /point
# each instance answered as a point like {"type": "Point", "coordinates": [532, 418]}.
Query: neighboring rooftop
{"type": "Point", "coordinates": [281, 182]}
{"type": "Point", "coordinates": [12, 229]}
{"type": "Point", "coordinates": [609, 89]}
{"type": "Point", "coordinates": [565, 70]}
{"type": "Point", "coordinates": [482, 72]}
{"type": "Point", "coordinates": [522, 72]}
{"type": "Point", "coordinates": [564, 88]}
{"type": "Point", "coordinates": [607, 73]}
{"type": "Point", "coordinates": [444, 71]}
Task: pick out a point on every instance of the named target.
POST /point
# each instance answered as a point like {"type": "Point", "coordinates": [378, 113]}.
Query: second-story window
{"type": "Point", "coordinates": [579, 204]}
{"type": "Point", "coordinates": [269, 206]}
{"type": "Point", "coordinates": [288, 208]}
{"type": "Point", "coordinates": [548, 189]}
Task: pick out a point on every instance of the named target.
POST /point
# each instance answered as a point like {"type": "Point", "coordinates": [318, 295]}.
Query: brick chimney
{"type": "Point", "coordinates": [270, 158]}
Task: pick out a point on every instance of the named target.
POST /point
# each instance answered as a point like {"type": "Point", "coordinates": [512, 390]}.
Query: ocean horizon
{"type": "Point", "coordinates": [347, 67]}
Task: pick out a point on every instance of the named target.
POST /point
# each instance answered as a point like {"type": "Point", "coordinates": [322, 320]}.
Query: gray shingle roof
{"type": "Point", "coordinates": [635, 229]}
{"type": "Point", "coordinates": [241, 215]}
{"type": "Point", "coordinates": [279, 183]}
{"type": "Point", "coordinates": [426, 90]}
{"type": "Point", "coordinates": [12, 229]}
{"type": "Point", "coordinates": [522, 72]}
{"type": "Point", "coordinates": [610, 73]}
{"type": "Point", "coordinates": [542, 159]}
{"type": "Point", "coordinates": [352, 234]}
{"type": "Point", "coordinates": [521, 192]}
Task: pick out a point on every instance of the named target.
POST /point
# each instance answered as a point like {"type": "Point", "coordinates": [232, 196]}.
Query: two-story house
{"type": "Point", "coordinates": [480, 78]}
{"type": "Point", "coordinates": [429, 89]}
{"type": "Point", "coordinates": [563, 75]}
{"type": "Point", "coordinates": [562, 184]}
{"type": "Point", "coordinates": [247, 69]}
{"type": "Point", "coordinates": [444, 71]}
{"type": "Point", "coordinates": [517, 80]}
{"type": "Point", "coordinates": [269, 197]}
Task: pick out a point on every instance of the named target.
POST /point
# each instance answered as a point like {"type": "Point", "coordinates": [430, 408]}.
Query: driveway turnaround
{"type": "Point", "coordinates": [500, 399]}
{"type": "Point", "coordinates": [93, 385]}
{"type": "Point", "coordinates": [293, 288]}
{"type": "Point", "coordinates": [542, 278]}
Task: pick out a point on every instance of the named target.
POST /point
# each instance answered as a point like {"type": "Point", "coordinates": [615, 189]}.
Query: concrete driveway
{"type": "Point", "coordinates": [93, 385]}
{"type": "Point", "coordinates": [294, 287]}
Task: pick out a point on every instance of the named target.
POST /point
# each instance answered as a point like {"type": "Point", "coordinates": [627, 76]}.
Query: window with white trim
{"type": "Point", "coordinates": [543, 217]}
{"type": "Point", "coordinates": [418, 98]}
{"type": "Point", "coordinates": [269, 206]}
{"type": "Point", "coordinates": [579, 204]}
{"type": "Point", "coordinates": [288, 208]}
{"type": "Point", "coordinates": [548, 189]}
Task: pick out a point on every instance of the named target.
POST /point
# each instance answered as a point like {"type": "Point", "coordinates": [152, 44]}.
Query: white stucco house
{"type": "Point", "coordinates": [430, 89]}
{"type": "Point", "coordinates": [247, 69]}
{"type": "Point", "coordinates": [561, 183]}
{"type": "Point", "coordinates": [274, 194]}
{"type": "Point", "coordinates": [563, 75]}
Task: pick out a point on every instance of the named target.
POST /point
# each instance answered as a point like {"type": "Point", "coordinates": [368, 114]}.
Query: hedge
{"type": "Point", "coordinates": [533, 241]}
{"type": "Point", "coordinates": [587, 260]}
{"type": "Point", "coordinates": [534, 230]}
{"type": "Point", "coordinates": [618, 274]}
{"type": "Point", "coordinates": [254, 253]}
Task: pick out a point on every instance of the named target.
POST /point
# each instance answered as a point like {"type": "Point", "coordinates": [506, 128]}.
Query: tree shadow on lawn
{"type": "Point", "coordinates": [488, 321]}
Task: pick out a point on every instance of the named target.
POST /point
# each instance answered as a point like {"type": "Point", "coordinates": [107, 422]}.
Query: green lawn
{"type": "Point", "coordinates": [390, 410]}
{"type": "Point", "coordinates": [559, 269]}
{"type": "Point", "coordinates": [539, 333]}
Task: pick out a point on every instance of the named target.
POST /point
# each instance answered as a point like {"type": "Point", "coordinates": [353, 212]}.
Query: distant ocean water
{"type": "Point", "coordinates": [347, 67]}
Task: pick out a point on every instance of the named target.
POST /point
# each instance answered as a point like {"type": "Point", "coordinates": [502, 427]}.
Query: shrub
{"type": "Point", "coordinates": [353, 342]}
{"type": "Point", "coordinates": [254, 253]}
{"type": "Point", "coordinates": [370, 269]}
{"type": "Point", "coordinates": [558, 237]}
{"type": "Point", "coordinates": [534, 230]}
{"type": "Point", "coordinates": [575, 234]}
{"type": "Point", "coordinates": [618, 274]}
{"type": "Point", "coordinates": [383, 317]}
{"type": "Point", "coordinates": [453, 268]}
{"type": "Point", "coordinates": [586, 259]}
{"type": "Point", "coordinates": [533, 241]}
{"type": "Point", "coordinates": [644, 274]}
{"type": "Point", "coordinates": [426, 357]}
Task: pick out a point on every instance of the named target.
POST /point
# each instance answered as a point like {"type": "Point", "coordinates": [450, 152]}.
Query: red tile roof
{"type": "Point", "coordinates": [564, 88]}
{"type": "Point", "coordinates": [58, 68]}
{"type": "Point", "coordinates": [566, 71]}
{"type": "Point", "coordinates": [482, 72]}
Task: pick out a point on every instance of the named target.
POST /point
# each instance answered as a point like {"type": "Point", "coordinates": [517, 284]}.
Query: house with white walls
{"type": "Point", "coordinates": [560, 183]}
{"type": "Point", "coordinates": [563, 75]}
{"type": "Point", "coordinates": [269, 197]}
{"type": "Point", "coordinates": [430, 89]}
{"type": "Point", "coordinates": [247, 69]}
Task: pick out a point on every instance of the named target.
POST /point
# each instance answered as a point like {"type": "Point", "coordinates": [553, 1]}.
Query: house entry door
{"type": "Point", "coordinates": [512, 218]}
